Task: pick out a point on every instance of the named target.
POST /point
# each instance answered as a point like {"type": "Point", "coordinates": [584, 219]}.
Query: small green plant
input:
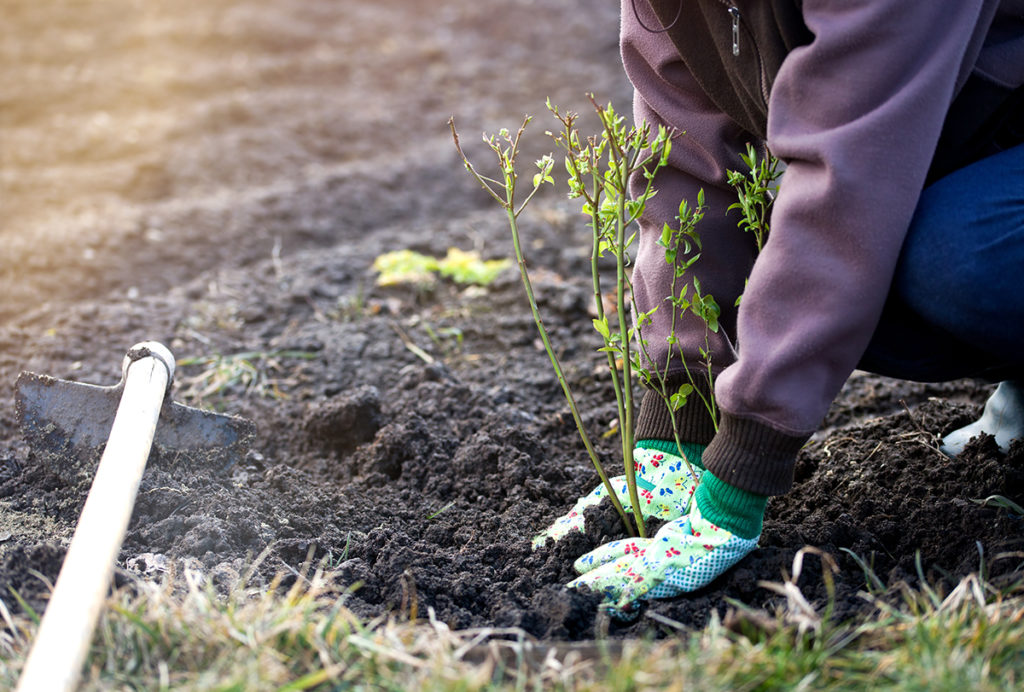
{"type": "Point", "coordinates": [250, 371]}
{"type": "Point", "coordinates": [756, 192]}
{"type": "Point", "coordinates": [682, 300]}
{"type": "Point", "coordinates": [506, 148]}
{"type": "Point", "coordinates": [1002, 502]}
{"type": "Point", "coordinates": [598, 170]}
{"type": "Point", "coordinates": [447, 339]}
{"type": "Point", "coordinates": [436, 514]}
{"type": "Point", "coordinates": [411, 267]}
{"type": "Point", "coordinates": [405, 267]}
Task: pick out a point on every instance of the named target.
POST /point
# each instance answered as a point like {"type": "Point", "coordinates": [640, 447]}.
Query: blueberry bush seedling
{"type": "Point", "coordinates": [505, 146]}
{"type": "Point", "coordinates": [683, 240]}
{"type": "Point", "coordinates": [755, 190]}
{"type": "Point", "coordinates": [598, 170]}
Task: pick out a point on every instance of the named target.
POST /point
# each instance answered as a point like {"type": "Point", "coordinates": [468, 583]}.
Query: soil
{"type": "Point", "coordinates": [220, 175]}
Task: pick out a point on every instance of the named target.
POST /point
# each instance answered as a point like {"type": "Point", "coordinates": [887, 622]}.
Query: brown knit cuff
{"type": "Point", "coordinates": [654, 419]}
{"type": "Point", "coordinates": [753, 456]}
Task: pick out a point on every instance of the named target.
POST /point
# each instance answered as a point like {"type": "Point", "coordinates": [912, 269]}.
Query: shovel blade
{"type": "Point", "coordinates": [67, 424]}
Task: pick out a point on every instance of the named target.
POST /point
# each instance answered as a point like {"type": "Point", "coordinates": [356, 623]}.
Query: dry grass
{"type": "Point", "coordinates": [155, 637]}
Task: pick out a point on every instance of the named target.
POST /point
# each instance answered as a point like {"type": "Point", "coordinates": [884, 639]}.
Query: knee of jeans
{"type": "Point", "coordinates": [945, 296]}
{"type": "Point", "coordinates": [964, 242]}
{"type": "Point", "coordinates": [946, 289]}
{"type": "Point", "coordinates": [918, 280]}
{"type": "Point", "coordinates": [935, 266]}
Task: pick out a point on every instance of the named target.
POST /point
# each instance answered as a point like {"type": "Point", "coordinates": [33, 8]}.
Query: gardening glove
{"type": "Point", "coordinates": [665, 484]}
{"type": "Point", "coordinates": [1003, 418]}
{"type": "Point", "coordinates": [722, 526]}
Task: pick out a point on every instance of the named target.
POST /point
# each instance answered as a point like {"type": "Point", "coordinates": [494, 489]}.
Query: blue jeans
{"type": "Point", "coordinates": [956, 304]}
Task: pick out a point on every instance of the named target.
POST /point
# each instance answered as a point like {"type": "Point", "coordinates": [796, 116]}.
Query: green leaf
{"type": "Point", "coordinates": [467, 267]}
{"type": "Point", "coordinates": [404, 267]}
{"type": "Point", "coordinates": [678, 400]}
{"type": "Point", "coordinates": [646, 317]}
{"type": "Point", "coordinates": [1000, 501]}
{"type": "Point", "coordinates": [601, 325]}
{"type": "Point", "coordinates": [666, 236]}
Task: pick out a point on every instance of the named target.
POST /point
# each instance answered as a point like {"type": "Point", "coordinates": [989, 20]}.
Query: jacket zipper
{"type": "Point", "coordinates": [734, 13]}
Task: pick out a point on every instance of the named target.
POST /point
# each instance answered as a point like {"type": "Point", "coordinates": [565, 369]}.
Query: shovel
{"type": "Point", "coordinates": [68, 424]}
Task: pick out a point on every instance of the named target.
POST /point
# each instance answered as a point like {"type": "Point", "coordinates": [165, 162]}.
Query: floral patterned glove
{"type": "Point", "coordinates": [685, 555]}
{"type": "Point", "coordinates": [665, 484]}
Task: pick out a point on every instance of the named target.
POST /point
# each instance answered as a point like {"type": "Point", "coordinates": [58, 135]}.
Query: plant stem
{"type": "Point", "coordinates": [595, 273]}
{"type": "Point", "coordinates": [506, 161]}
{"type": "Point", "coordinates": [595, 255]}
{"type": "Point", "coordinates": [566, 390]}
{"type": "Point", "coordinates": [626, 423]}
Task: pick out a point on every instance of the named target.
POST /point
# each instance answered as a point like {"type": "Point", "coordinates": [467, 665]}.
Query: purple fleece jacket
{"type": "Point", "coordinates": [856, 116]}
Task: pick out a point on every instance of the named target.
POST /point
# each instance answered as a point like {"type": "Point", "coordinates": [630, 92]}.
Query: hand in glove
{"type": "Point", "coordinates": [722, 526]}
{"type": "Point", "coordinates": [665, 484]}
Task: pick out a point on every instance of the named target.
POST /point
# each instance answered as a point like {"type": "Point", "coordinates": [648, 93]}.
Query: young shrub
{"type": "Point", "coordinates": [598, 169]}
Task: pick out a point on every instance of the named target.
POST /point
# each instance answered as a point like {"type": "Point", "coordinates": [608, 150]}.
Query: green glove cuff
{"type": "Point", "coordinates": [690, 450]}
{"type": "Point", "coordinates": [738, 511]}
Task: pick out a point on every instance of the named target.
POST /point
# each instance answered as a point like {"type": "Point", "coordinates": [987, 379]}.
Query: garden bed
{"type": "Point", "coordinates": [220, 176]}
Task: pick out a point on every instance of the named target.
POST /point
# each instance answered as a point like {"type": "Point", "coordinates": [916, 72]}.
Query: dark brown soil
{"type": "Point", "coordinates": [220, 175]}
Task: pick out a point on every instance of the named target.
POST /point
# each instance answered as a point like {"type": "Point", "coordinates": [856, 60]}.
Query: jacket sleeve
{"type": "Point", "coordinates": [856, 115]}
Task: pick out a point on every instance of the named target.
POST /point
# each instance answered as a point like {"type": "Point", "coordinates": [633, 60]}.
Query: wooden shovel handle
{"type": "Point", "coordinates": [65, 633]}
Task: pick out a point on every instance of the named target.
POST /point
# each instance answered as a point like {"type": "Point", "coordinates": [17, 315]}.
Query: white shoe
{"type": "Point", "coordinates": [1003, 418]}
